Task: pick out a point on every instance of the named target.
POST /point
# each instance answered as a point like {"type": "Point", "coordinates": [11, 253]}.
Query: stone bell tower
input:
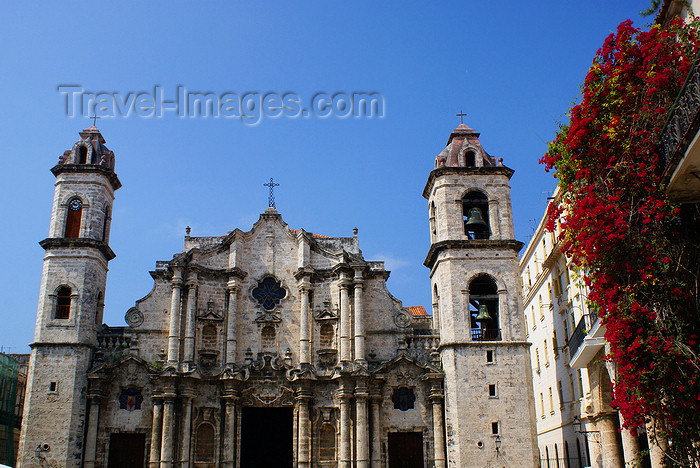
{"type": "Point", "coordinates": [473, 261]}
{"type": "Point", "coordinates": [71, 300]}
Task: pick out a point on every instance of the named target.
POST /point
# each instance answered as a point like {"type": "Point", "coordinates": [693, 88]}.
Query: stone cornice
{"type": "Point", "coordinates": [469, 244]}
{"type": "Point", "coordinates": [87, 168]}
{"type": "Point", "coordinates": [485, 170]}
{"type": "Point", "coordinates": [76, 243]}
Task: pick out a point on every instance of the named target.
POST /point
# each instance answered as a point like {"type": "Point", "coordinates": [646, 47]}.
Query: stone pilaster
{"type": "Point", "coordinates": [187, 399]}
{"type": "Point", "coordinates": [231, 324]}
{"type": "Point", "coordinates": [174, 333]}
{"type": "Point", "coordinates": [345, 453]}
{"type": "Point", "coordinates": [436, 399]}
{"type": "Point", "coordinates": [303, 399]}
{"type": "Point", "coordinates": [376, 431]}
{"type": "Point", "coordinates": [167, 447]}
{"type": "Point", "coordinates": [304, 325]}
{"type": "Point", "coordinates": [228, 456]}
{"type": "Point", "coordinates": [156, 432]}
{"type": "Point", "coordinates": [494, 219]}
{"type": "Point", "coordinates": [345, 346]}
{"type": "Point", "coordinates": [358, 282]}
{"type": "Point", "coordinates": [362, 425]}
{"type": "Point", "coordinates": [190, 321]}
{"type": "Point", "coordinates": [95, 398]}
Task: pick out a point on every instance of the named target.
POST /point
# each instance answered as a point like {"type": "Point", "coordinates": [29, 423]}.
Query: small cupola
{"type": "Point", "coordinates": [464, 150]}
{"type": "Point", "coordinates": [90, 149]}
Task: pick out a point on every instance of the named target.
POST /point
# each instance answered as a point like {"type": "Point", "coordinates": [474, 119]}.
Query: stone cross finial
{"type": "Point", "coordinates": [460, 115]}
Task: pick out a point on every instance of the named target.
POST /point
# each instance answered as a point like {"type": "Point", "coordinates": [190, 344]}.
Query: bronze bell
{"type": "Point", "coordinates": [483, 315]}
{"type": "Point", "coordinates": [475, 221]}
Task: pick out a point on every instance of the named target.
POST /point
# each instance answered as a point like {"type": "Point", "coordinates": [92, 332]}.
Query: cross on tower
{"type": "Point", "coordinates": [460, 115]}
{"type": "Point", "coordinates": [272, 185]}
{"type": "Point", "coordinates": [94, 119]}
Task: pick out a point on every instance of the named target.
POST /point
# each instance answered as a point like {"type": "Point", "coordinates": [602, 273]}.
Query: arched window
{"type": "Point", "coordinates": [268, 339]}
{"type": "Point", "coordinates": [556, 455]}
{"type": "Point", "coordinates": [469, 158]}
{"type": "Point", "coordinates": [82, 154]}
{"type": "Point", "coordinates": [100, 308]}
{"type": "Point", "coordinates": [326, 442]}
{"type": "Point", "coordinates": [546, 454]}
{"type": "Point", "coordinates": [204, 451]}
{"type": "Point", "coordinates": [431, 214]}
{"type": "Point", "coordinates": [327, 335]}
{"type": "Point", "coordinates": [475, 211]}
{"type": "Point", "coordinates": [63, 300]}
{"type": "Point", "coordinates": [483, 308]}
{"type": "Point", "coordinates": [75, 214]}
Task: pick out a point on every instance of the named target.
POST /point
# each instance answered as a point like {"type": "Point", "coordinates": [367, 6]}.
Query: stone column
{"type": "Point", "coordinates": [167, 447]}
{"type": "Point", "coordinates": [174, 333]}
{"type": "Point", "coordinates": [436, 398]}
{"type": "Point", "coordinates": [362, 424]}
{"type": "Point", "coordinates": [304, 332]}
{"type": "Point", "coordinates": [344, 319]}
{"type": "Point", "coordinates": [657, 447]}
{"type": "Point", "coordinates": [345, 455]}
{"type": "Point", "coordinates": [609, 441]}
{"type": "Point", "coordinates": [376, 432]}
{"type": "Point", "coordinates": [93, 424]}
{"type": "Point", "coordinates": [630, 445]}
{"type": "Point", "coordinates": [232, 317]}
{"type": "Point", "coordinates": [494, 219]}
{"type": "Point", "coordinates": [186, 429]}
{"type": "Point", "coordinates": [156, 431]}
{"type": "Point", "coordinates": [304, 426]}
{"type": "Point", "coordinates": [190, 322]}
{"type": "Point", "coordinates": [228, 456]}
{"type": "Point", "coordinates": [504, 315]}
{"type": "Point", "coordinates": [359, 319]}
{"type": "Point", "coordinates": [295, 434]}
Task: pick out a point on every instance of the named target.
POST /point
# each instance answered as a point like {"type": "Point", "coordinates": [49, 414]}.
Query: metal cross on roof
{"type": "Point", "coordinates": [94, 119]}
{"type": "Point", "coordinates": [272, 185]}
{"type": "Point", "coordinates": [460, 115]}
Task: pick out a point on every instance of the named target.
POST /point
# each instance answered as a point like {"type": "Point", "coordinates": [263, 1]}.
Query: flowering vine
{"type": "Point", "coordinates": [639, 251]}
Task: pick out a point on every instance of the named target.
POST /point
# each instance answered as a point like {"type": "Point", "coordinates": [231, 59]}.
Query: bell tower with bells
{"type": "Point", "coordinates": [477, 308]}
{"type": "Point", "coordinates": [71, 302]}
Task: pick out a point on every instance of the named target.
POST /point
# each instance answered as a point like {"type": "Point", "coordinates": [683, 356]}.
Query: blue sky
{"type": "Point", "coordinates": [513, 67]}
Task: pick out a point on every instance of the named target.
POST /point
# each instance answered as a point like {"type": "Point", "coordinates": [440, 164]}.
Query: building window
{"type": "Point", "coordinates": [494, 428]}
{"type": "Point", "coordinates": [63, 300]}
{"type": "Point", "coordinates": [75, 213]}
{"type": "Point", "coordinates": [489, 356]}
{"type": "Point", "coordinates": [580, 383]}
{"type": "Point", "coordinates": [551, 401]}
{"type": "Point", "coordinates": [542, 404]}
{"type": "Point", "coordinates": [82, 155]}
{"type": "Point", "coordinates": [403, 398]}
{"type": "Point", "coordinates": [269, 293]}
{"type": "Point", "coordinates": [327, 336]}
{"type": "Point", "coordinates": [560, 389]}
{"type": "Point", "coordinates": [326, 443]}
{"type": "Point", "coordinates": [469, 158]}
{"type": "Point", "coordinates": [53, 387]}
{"type": "Point", "coordinates": [546, 354]}
{"type": "Point", "coordinates": [475, 211]}
{"type": "Point", "coordinates": [105, 224]}
{"type": "Point", "coordinates": [537, 359]}
{"type": "Point", "coordinates": [492, 390]}
{"type": "Point", "coordinates": [204, 451]}
{"type": "Point", "coordinates": [555, 345]}
{"type": "Point", "coordinates": [483, 308]}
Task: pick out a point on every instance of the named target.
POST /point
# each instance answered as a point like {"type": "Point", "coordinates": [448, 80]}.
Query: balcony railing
{"type": "Point", "coordinates": [581, 331]}
{"type": "Point", "coordinates": [486, 334]}
{"type": "Point", "coordinates": [683, 122]}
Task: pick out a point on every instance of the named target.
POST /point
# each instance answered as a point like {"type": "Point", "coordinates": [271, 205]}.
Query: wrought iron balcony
{"type": "Point", "coordinates": [679, 132]}
{"type": "Point", "coordinates": [486, 334]}
{"type": "Point", "coordinates": [586, 339]}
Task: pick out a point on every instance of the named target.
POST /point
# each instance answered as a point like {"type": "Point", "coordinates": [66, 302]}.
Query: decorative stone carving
{"type": "Point", "coordinates": [134, 317]}
{"type": "Point", "coordinates": [403, 319]}
{"type": "Point", "coordinates": [130, 399]}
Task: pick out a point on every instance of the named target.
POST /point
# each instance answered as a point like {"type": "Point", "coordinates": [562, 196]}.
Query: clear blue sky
{"type": "Point", "coordinates": [513, 67]}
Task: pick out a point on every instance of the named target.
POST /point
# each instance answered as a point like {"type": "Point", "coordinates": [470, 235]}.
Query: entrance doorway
{"type": "Point", "coordinates": [406, 450]}
{"type": "Point", "coordinates": [266, 438]}
{"type": "Point", "coordinates": [126, 450]}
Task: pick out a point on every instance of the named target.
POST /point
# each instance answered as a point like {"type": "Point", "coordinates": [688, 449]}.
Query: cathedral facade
{"type": "Point", "coordinates": [276, 347]}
